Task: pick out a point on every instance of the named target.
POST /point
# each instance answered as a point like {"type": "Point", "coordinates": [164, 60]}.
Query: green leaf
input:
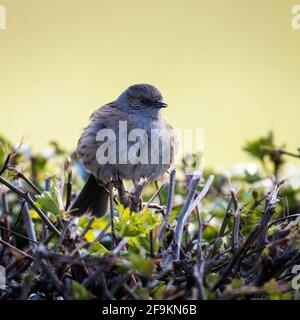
{"type": "Point", "coordinates": [98, 249]}
{"type": "Point", "coordinates": [141, 264]}
{"type": "Point", "coordinates": [34, 215]}
{"type": "Point", "coordinates": [51, 201]}
{"type": "Point", "coordinates": [159, 290]}
{"type": "Point", "coordinates": [79, 292]}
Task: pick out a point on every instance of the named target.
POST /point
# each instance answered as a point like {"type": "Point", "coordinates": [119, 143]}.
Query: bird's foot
{"type": "Point", "coordinates": [135, 197]}
{"type": "Point", "coordinates": [122, 193]}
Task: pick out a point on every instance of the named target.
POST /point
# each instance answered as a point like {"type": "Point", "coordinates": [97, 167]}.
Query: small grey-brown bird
{"type": "Point", "coordinates": [138, 107]}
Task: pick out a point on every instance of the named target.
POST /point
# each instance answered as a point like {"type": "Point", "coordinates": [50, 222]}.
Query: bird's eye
{"type": "Point", "coordinates": [145, 101]}
{"type": "Point", "coordinates": [134, 102]}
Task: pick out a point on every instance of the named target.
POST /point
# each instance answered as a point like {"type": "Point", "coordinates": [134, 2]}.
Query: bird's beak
{"type": "Point", "coordinates": [160, 104]}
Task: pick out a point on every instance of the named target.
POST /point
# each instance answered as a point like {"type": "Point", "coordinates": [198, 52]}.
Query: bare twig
{"type": "Point", "coordinates": [199, 236]}
{"type": "Point", "coordinates": [15, 224]}
{"type": "Point", "coordinates": [158, 190]}
{"type": "Point", "coordinates": [169, 206]}
{"type": "Point", "coordinates": [51, 275]}
{"type": "Point", "coordinates": [29, 225]}
{"type": "Point", "coordinates": [26, 196]}
{"type": "Point", "coordinates": [20, 175]}
{"type": "Point", "coordinates": [88, 227]}
{"type": "Point", "coordinates": [6, 244]}
{"type": "Point", "coordinates": [157, 193]}
{"type": "Point", "coordinates": [226, 218]}
{"type": "Point", "coordinates": [292, 216]}
{"type": "Point", "coordinates": [287, 153]}
{"type": "Point", "coordinates": [250, 239]}
{"type": "Point", "coordinates": [18, 235]}
{"type": "Point", "coordinates": [5, 165]}
{"type": "Point", "coordinates": [222, 229]}
{"type": "Point", "coordinates": [198, 272]}
{"type": "Point", "coordinates": [269, 210]}
{"type": "Point", "coordinates": [236, 222]}
{"type": "Point", "coordinates": [68, 167]}
{"type": "Point", "coordinates": [184, 213]}
{"type": "Point", "coordinates": [188, 207]}
{"type": "Point", "coordinates": [120, 246]}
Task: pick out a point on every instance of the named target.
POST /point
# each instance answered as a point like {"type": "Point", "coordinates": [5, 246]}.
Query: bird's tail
{"type": "Point", "coordinates": [93, 199]}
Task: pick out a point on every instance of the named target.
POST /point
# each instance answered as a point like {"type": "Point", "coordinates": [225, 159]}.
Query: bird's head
{"type": "Point", "coordinates": [144, 99]}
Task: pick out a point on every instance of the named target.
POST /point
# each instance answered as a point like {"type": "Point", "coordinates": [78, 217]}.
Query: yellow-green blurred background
{"type": "Point", "coordinates": [231, 67]}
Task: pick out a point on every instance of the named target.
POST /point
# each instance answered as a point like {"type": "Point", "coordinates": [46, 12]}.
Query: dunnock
{"type": "Point", "coordinates": [144, 150]}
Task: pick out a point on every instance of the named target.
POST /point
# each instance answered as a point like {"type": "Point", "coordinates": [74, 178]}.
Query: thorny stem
{"type": "Point", "coordinates": [169, 206]}
{"type": "Point", "coordinates": [182, 218]}
{"type": "Point", "coordinates": [198, 272]}
{"type": "Point", "coordinates": [269, 210]}
{"type": "Point", "coordinates": [222, 229]}
{"type": "Point", "coordinates": [69, 188]}
{"type": "Point", "coordinates": [29, 226]}
{"type": "Point", "coordinates": [250, 239]}
{"type": "Point", "coordinates": [15, 224]}
{"type": "Point", "coordinates": [236, 228]}
{"type": "Point", "coordinates": [18, 235]}
{"type": "Point", "coordinates": [199, 236]}
{"type": "Point", "coordinates": [188, 207]}
{"type": "Point", "coordinates": [24, 178]}
{"type": "Point", "coordinates": [5, 165]}
{"type": "Point", "coordinates": [226, 219]}
{"type": "Point", "coordinates": [26, 196]}
{"type": "Point", "coordinates": [16, 249]}
{"type": "Point", "coordinates": [258, 232]}
{"type": "Point", "coordinates": [158, 191]}
{"type": "Point", "coordinates": [236, 222]}
{"type": "Point", "coordinates": [283, 152]}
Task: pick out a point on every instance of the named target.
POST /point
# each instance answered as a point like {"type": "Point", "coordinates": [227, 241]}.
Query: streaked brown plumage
{"type": "Point", "coordinates": [140, 106]}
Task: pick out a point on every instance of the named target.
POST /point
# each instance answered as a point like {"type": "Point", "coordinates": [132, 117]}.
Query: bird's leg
{"type": "Point", "coordinates": [123, 196]}
{"type": "Point", "coordinates": [113, 236]}
{"type": "Point", "coordinates": [135, 203]}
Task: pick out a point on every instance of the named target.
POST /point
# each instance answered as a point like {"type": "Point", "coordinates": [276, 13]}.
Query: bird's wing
{"type": "Point", "coordinates": [109, 116]}
{"type": "Point", "coordinates": [106, 117]}
{"type": "Point", "coordinates": [103, 111]}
